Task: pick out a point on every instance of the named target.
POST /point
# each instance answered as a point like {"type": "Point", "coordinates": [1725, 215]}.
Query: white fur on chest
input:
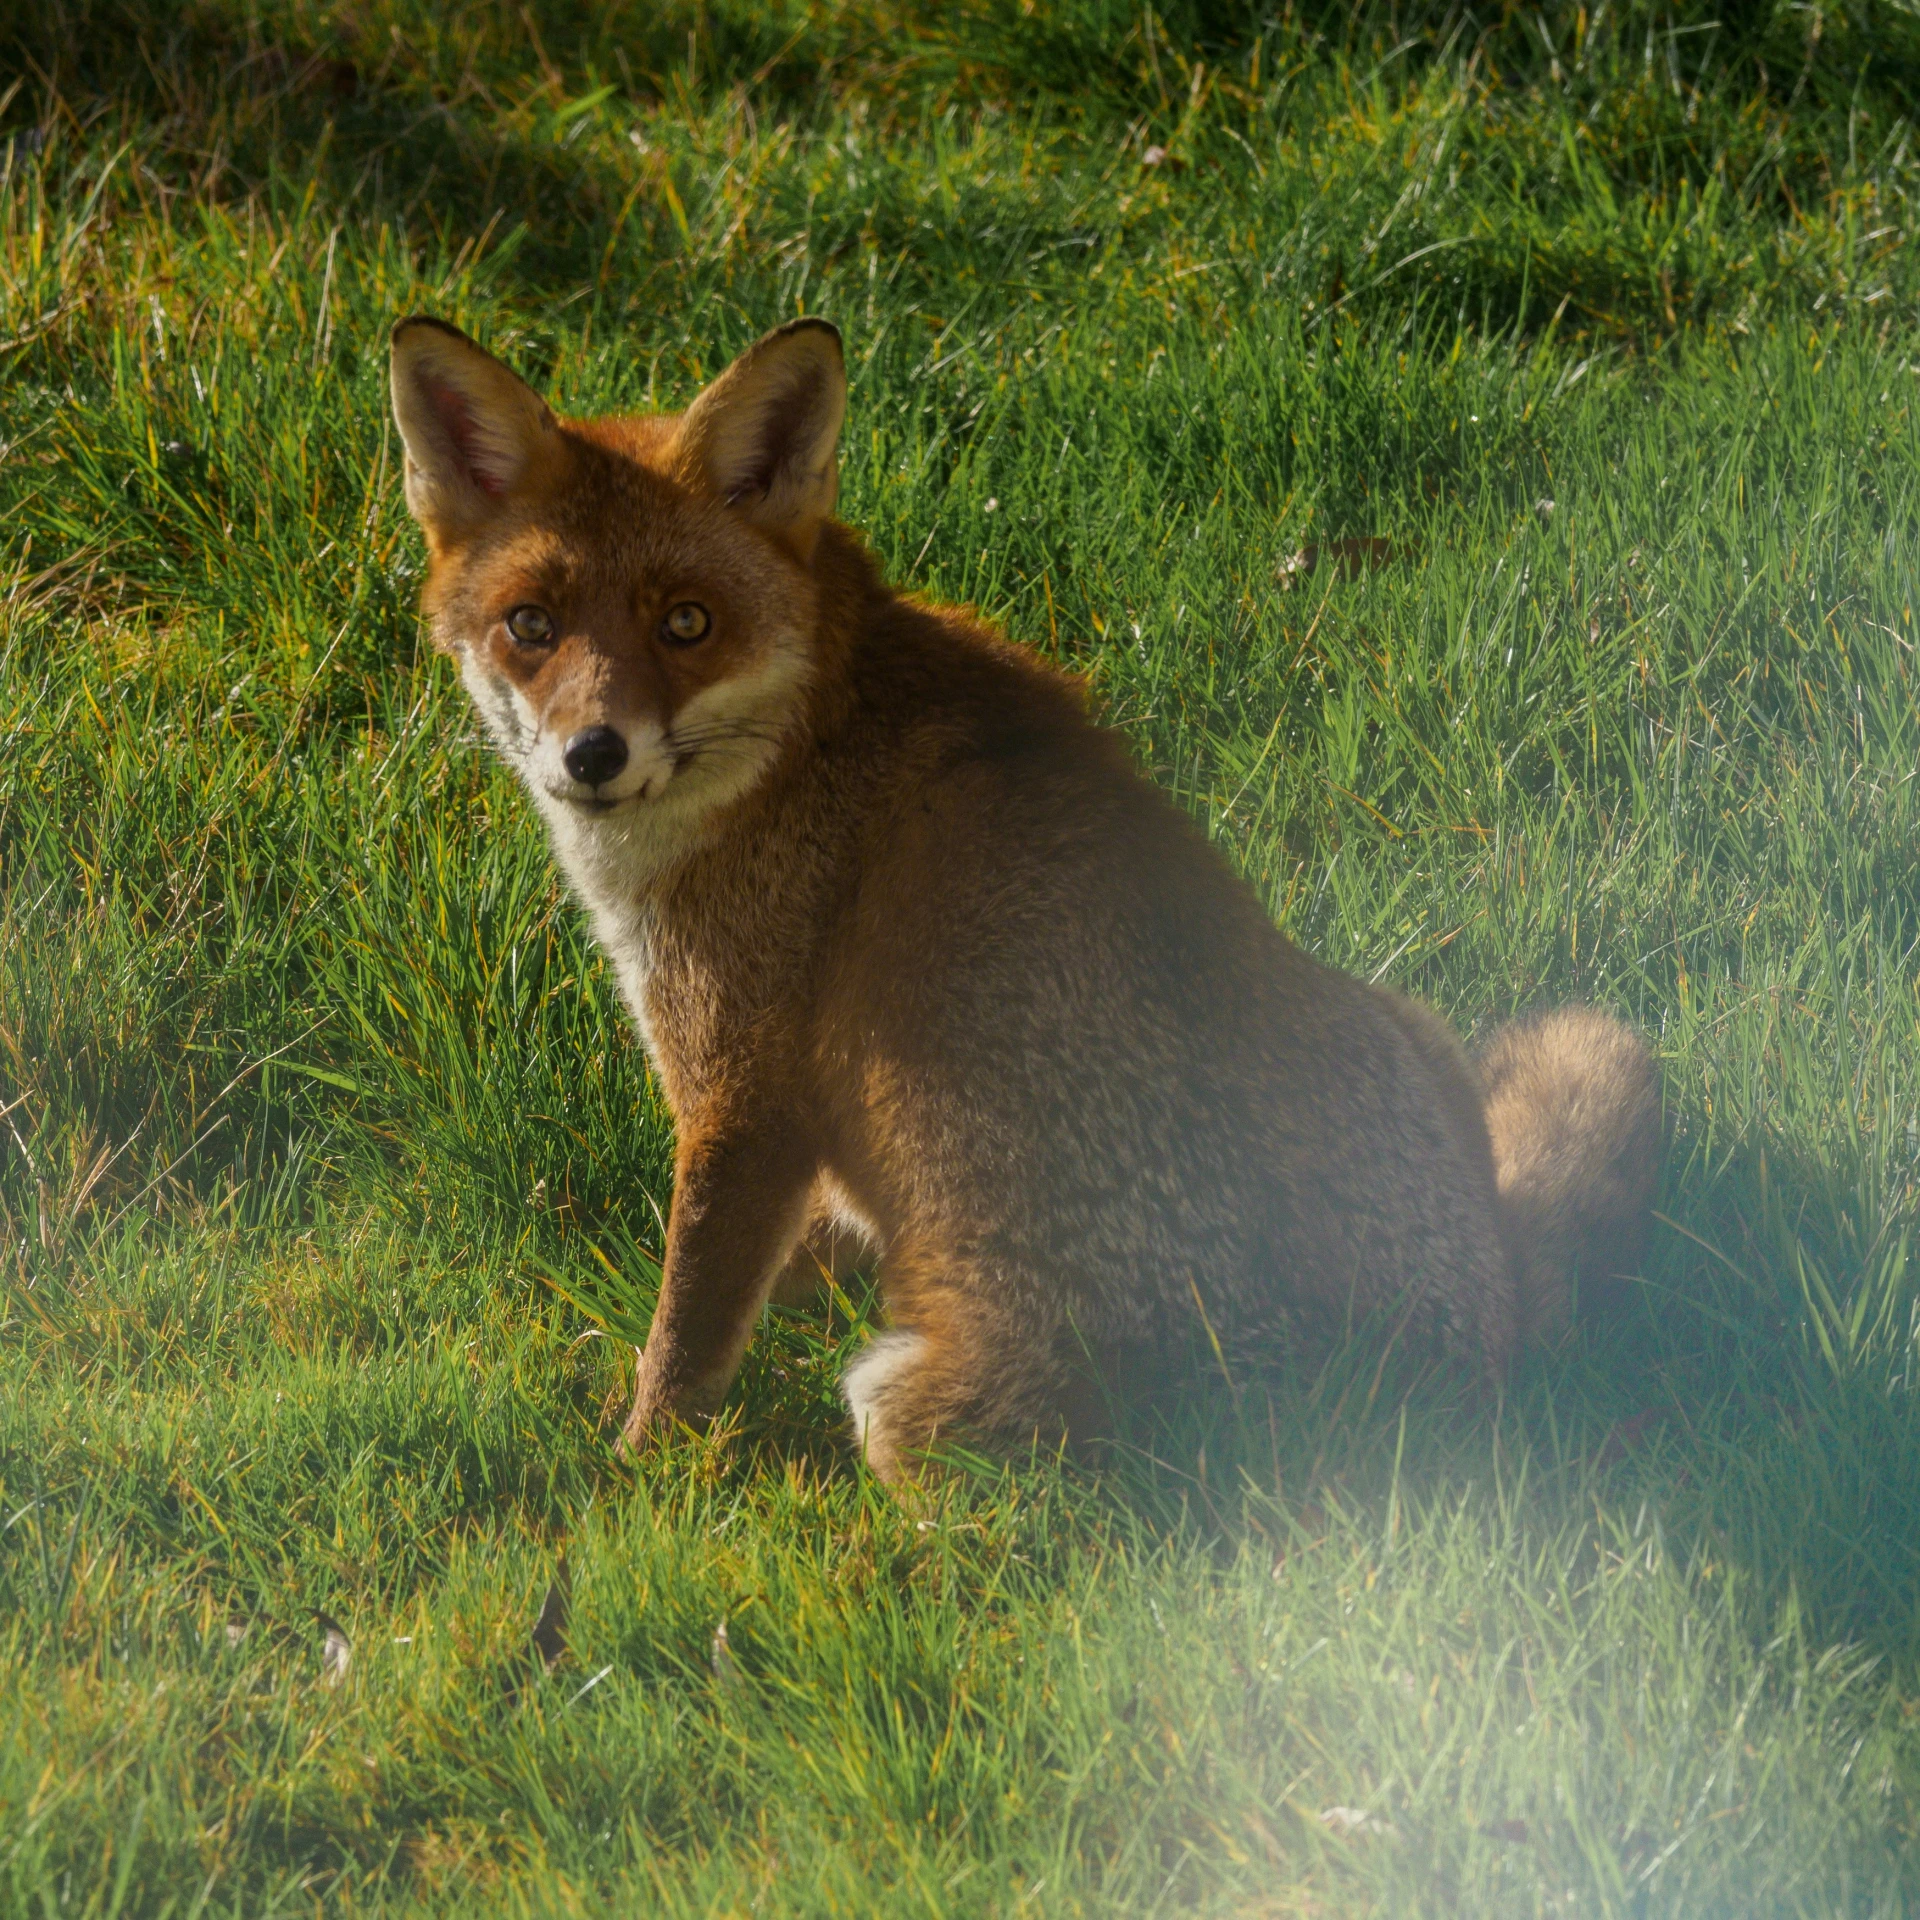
{"type": "Point", "coordinates": [614, 865]}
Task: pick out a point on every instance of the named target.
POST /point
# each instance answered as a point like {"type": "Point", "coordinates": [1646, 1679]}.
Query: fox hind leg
{"type": "Point", "coordinates": [879, 1390]}
{"type": "Point", "coordinates": [969, 1379]}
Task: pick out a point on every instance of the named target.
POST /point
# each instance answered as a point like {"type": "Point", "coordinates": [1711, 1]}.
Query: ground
{"type": "Point", "coordinates": [1475, 461]}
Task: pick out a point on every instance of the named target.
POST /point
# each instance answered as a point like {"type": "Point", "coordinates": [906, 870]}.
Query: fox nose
{"type": "Point", "coordinates": [594, 755]}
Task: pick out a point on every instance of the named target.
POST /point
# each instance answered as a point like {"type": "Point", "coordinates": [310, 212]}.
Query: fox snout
{"type": "Point", "coordinates": [604, 762]}
{"type": "Point", "coordinates": [572, 742]}
{"type": "Point", "coordinates": [595, 755]}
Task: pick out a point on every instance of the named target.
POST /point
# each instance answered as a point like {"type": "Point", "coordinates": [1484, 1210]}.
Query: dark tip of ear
{"type": "Point", "coordinates": [425, 320]}
{"type": "Point", "coordinates": [811, 323]}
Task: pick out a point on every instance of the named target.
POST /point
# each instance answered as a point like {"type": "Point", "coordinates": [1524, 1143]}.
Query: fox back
{"type": "Point", "coordinates": [930, 975]}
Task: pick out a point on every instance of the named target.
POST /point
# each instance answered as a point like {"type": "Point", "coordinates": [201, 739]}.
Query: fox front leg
{"type": "Point", "coordinates": [739, 1202]}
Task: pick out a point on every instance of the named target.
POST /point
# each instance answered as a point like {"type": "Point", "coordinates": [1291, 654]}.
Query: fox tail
{"type": "Point", "coordinates": [1573, 1111]}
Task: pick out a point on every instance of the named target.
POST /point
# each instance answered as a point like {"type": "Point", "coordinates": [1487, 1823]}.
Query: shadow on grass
{"type": "Point", "coordinates": [451, 129]}
{"type": "Point", "coordinates": [222, 103]}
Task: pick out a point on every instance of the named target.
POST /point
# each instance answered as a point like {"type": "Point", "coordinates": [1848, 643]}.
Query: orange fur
{"type": "Point", "coordinates": [924, 964]}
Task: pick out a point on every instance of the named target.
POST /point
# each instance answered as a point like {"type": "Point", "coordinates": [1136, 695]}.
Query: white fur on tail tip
{"type": "Point", "coordinates": [864, 1384]}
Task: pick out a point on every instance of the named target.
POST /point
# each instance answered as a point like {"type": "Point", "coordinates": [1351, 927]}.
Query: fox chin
{"type": "Point", "coordinates": [934, 980]}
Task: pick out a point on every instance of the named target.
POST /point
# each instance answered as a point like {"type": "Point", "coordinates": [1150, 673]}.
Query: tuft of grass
{"type": "Point", "coordinates": [1475, 462]}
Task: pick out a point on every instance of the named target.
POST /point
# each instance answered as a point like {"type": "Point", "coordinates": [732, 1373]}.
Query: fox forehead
{"type": "Point", "coordinates": [611, 523]}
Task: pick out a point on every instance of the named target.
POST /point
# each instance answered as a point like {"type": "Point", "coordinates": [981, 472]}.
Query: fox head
{"type": "Point", "coordinates": [631, 601]}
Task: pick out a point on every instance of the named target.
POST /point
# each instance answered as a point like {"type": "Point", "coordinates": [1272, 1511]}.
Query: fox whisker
{"type": "Point", "coordinates": [726, 730]}
{"type": "Point", "coordinates": [719, 750]}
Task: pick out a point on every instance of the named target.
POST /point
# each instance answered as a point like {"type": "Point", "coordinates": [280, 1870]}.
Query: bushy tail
{"type": "Point", "coordinates": [1573, 1108]}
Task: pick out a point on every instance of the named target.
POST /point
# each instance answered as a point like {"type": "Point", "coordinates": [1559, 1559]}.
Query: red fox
{"type": "Point", "coordinates": [924, 965]}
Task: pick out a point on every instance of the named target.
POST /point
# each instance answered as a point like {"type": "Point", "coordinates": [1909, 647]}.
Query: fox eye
{"type": "Point", "coordinates": [686, 623]}
{"type": "Point", "coordinates": [531, 626]}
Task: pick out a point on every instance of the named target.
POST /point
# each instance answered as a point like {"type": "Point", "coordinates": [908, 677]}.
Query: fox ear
{"type": "Point", "coordinates": [764, 436]}
{"type": "Point", "coordinates": [472, 429]}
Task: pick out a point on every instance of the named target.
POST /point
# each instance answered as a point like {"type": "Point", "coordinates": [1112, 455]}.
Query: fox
{"type": "Point", "coordinates": [936, 982]}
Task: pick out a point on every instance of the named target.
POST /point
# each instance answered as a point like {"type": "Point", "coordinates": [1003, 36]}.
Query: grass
{"type": "Point", "coordinates": [1604, 327]}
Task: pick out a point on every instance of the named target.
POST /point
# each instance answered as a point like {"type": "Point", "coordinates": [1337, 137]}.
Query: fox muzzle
{"type": "Point", "coordinates": [595, 755]}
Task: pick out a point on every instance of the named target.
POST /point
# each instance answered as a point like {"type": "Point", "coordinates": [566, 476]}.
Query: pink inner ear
{"type": "Point", "coordinates": [451, 410]}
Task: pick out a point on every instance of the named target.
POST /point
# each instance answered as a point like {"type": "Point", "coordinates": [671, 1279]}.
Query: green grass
{"type": "Point", "coordinates": [1608, 324]}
